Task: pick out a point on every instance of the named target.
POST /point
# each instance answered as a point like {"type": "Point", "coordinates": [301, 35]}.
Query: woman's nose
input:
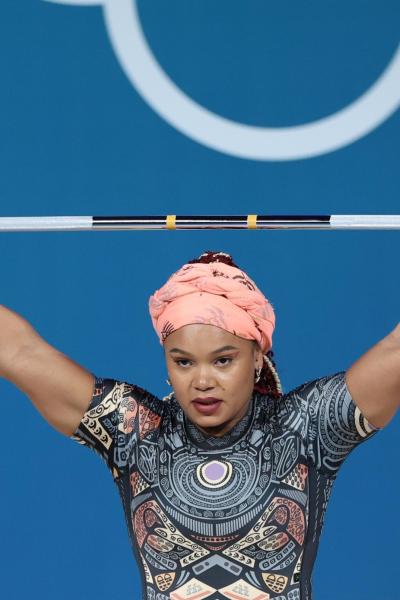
{"type": "Point", "coordinates": [203, 379]}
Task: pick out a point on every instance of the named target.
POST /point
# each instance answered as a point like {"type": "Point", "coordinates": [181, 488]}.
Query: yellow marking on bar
{"type": "Point", "coordinates": [252, 222]}
{"type": "Point", "coordinates": [171, 221]}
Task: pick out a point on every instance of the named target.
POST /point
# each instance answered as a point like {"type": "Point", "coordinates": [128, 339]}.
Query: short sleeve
{"type": "Point", "coordinates": [118, 415]}
{"type": "Point", "coordinates": [334, 425]}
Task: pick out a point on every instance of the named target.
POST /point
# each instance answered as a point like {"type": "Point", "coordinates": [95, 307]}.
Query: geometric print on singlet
{"type": "Point", "coordinates": [237, 517]}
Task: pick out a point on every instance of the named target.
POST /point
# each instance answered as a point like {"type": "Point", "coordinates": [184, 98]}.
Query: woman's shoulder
{"type": "Point", "coordinates": [301, 394]}
{"type": "Point", "coordinates": [122, 391]}
{"type": "Point", "coordinates": [292, 408]}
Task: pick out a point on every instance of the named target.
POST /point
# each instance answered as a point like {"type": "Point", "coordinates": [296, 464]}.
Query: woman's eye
{"type": "Point", "coordinates": [224, 358]}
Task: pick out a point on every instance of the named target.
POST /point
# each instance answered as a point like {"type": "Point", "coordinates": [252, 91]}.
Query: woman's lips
{"type": "Point", "coordinates": [207, 409]}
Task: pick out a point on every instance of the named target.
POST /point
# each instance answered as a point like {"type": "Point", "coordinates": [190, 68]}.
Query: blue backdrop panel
{"type": "Point", "coordinates": [193, 108]}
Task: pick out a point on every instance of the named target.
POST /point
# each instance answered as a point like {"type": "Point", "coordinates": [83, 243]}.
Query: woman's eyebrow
{"type": "Point", "coordinates": [213, 352]}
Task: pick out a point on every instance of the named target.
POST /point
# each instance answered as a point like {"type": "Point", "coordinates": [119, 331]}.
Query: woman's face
{"type": "Point", "coordinates": [198, 367]}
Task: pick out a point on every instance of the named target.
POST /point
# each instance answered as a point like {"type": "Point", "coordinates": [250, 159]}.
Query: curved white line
{"type": "Point", "coordinates": [244, 141]}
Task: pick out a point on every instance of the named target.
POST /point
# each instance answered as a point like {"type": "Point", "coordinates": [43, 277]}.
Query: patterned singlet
{"type": "Point", "coordinates": [237, 517]}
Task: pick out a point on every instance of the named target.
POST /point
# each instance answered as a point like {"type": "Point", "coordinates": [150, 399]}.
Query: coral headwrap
{"type": "Point", "coordinates": [216, 294]}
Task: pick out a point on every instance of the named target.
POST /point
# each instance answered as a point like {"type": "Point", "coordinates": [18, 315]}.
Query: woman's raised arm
{"type": "Point", "coordinates": [59, 388]}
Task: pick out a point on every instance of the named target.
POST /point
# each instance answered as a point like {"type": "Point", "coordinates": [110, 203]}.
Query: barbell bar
{"type": "Point", "coordinates": [145, 222]}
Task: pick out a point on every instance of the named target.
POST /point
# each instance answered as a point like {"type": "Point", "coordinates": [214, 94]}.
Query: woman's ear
{"type": "Point", "coordinates": [258, 356]}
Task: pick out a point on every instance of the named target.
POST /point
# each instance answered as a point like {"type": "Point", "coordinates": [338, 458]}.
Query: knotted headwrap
{"type": "Point", "coordinates": [215, 294]}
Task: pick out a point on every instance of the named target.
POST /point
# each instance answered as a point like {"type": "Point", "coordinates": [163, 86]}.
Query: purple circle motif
{"type": "Point", "coordinates": [214, 473]}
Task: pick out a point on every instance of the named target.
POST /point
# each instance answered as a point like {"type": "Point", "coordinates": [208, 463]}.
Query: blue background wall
{"type": "Point", "coordinates": [77, 139]}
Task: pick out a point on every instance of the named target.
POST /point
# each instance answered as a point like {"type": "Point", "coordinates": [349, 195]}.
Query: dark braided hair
{"type": "Point", "coordinates": [269, 382]}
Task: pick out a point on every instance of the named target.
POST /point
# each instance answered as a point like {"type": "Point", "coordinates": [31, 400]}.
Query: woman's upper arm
{"type": "Point", "coordinates": [335, 424]}
{"type": "Point", "coordinates": [59, 388]}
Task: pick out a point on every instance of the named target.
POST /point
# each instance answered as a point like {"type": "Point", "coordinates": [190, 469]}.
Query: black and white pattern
{"type": "Point", "coordinates": [236, 517]}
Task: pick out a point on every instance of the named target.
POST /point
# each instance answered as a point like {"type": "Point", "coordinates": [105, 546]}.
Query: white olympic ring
{"type": "Point", "coordinates": [344, 127]}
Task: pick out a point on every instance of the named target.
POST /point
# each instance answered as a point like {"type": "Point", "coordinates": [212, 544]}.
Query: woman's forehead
{"type": "Point", "coordinates": [190, 337]}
